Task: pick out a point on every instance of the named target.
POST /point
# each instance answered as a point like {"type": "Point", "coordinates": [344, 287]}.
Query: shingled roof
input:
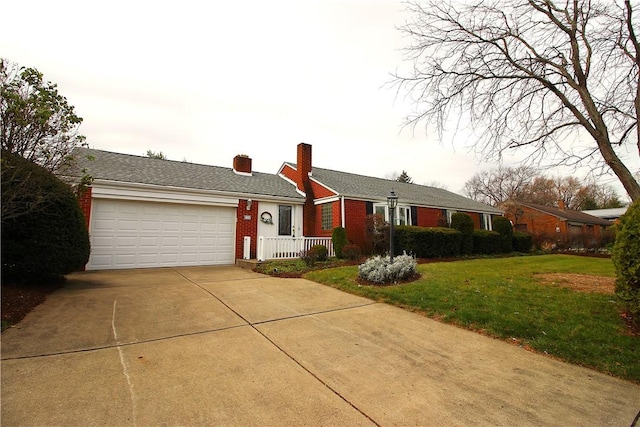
{"type": "Point", "coordinates": [128, 168]}
{"type": "Point", "coordinates": [370, 188]}
{"type": "Point", "coordinates": [568, 214]}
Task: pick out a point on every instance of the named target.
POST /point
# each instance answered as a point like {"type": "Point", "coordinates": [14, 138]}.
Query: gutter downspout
{"type": "Point", "coordinates": [342, 213]}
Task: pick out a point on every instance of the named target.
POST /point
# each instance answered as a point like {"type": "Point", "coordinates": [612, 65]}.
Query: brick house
{"type": "Point", "coordinates": [145, 212]}
{"type": "Point", "coordinates": [555, 224]}
{"type": "Point", "coordinates": [334, 198]}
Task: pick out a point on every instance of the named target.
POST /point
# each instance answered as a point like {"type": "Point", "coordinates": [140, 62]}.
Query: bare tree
{"type": "Point", "coordinates": [558, 77]}
{"type": "Point", "coordinates": [496, 186]}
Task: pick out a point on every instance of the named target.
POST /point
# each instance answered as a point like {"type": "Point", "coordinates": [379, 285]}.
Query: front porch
{"type": "Point", "coordinates": [281, 247]}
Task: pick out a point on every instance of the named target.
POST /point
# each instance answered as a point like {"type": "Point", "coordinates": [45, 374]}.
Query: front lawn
{"type": "Point", "coordinates": [560, 305]}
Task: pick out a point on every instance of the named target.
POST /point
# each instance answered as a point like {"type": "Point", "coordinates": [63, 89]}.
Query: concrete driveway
{"type": "Point", "coordinates": [225, 346]}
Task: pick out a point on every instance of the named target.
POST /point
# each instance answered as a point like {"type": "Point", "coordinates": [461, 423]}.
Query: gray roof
{"type": "Point", "coordinates": [377, 189]}
{"type": "Point", "coordinates": [138, 169]}
{"type": "Point", "coordinates": [568, 214]}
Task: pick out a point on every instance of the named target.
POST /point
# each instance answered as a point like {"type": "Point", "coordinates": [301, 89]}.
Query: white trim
{"type": "Point", "coordinates": [149, 192]}
{"type": "Point", "coordinates": [326, 200]}
{"type": "Point", "coordinates": [323, 185]}
{"type": "Point", "coordinates": [295, 185]}
{"type": "Point", "coordinates": [342, 213]}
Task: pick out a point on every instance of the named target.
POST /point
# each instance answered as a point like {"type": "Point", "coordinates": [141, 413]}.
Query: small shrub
{"type": "Point", "coordinates": [626, 259]}
{"type": "Point", "coordinates": [381, 270]}
{"type": "Point", "coordinates": [522, 242]}
{"type": "Point", "coordinates": [503, 226]}
{"type": "Point", "coordinates": [351, 252]}
{"type": "Point", "coordinates": [464, 224]}
{"type": "Point", "coordinates": [486, 242]}
{"type": "Point", "coordinates": [339, 240]}
{"type": "Point", "coordinates": [314, 254]}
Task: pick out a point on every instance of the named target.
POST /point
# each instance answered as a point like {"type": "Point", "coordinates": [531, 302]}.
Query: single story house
{"type": "Point", "coordinates": [146, 212]}
{"type": "Point", "coordinates": [555, 223]}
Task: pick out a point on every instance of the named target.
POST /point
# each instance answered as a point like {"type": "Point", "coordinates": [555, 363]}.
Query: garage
{"type": "Point", "coordinates": [140, 234]}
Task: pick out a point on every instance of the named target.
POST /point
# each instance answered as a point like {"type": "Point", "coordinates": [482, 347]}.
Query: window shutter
{"type": "Point", "coordinates": [369, 208]}
{"type": "Point", "coordinates": [414, 215]}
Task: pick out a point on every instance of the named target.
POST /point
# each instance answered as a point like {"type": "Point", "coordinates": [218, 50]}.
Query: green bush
{"type": "Point", "coordinates": [427, 242]}
{"type": "Point", "coordinates": [464, 224]}
{"type": "Point", "coordinates": [626, 259]}
{"type": "Point", "coordinates": [503, 226]}
{"type": "Point", "coordinates": [521, 242]}
{"type": "Point", "coordinates": [44, 234]}
{"type": "Point", "coordinates": [487, 242]}
{"type": "Point", "coordinates": [351, 252]}
{"type": "Point", "coordinates": [339, 239]}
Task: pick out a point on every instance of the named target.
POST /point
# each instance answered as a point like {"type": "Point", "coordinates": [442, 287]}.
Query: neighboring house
{"type": "Point", "coordinates": [612, 214]}
{"type": "Point", "coordinates": [144, 212]}
{"type": "Point", "coordinates": [555, 224]}
{"type": "Point", "coordinates": [344, 199]}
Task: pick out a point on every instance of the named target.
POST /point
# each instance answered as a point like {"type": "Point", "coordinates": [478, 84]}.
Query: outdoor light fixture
{"type": "Point", "coordinates": [392, 202]}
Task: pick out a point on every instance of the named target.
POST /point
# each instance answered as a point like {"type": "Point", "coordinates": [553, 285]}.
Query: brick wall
{"type": "Point", "coordinates": [85, 205]}
{"type": "Point", "coordinates": [247, 227]}
{"type": "Point", "coordinates": [430, 217]}
{"type": "Point", "coordinates": [355, 215]}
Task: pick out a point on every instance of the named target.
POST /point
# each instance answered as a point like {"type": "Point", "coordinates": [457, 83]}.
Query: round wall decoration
{"type": "Point", "coordinates": [266, 218]}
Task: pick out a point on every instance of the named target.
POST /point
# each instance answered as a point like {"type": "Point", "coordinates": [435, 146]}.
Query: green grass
{"type": "Point", "coordinates": [502, 298]}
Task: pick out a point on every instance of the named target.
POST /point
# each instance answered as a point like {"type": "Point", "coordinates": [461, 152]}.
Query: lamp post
{"type": "Point", "coordinates": [392, 202]}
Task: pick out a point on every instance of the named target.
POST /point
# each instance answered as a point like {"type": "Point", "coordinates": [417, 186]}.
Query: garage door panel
{"type": "Point", "coordinates": [128, 234]}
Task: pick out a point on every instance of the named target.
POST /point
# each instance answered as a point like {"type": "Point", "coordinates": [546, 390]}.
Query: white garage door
{"type": "Point", "coordinates": [128, 234]}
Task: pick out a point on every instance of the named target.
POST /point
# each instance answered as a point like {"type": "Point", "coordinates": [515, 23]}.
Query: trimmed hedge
{"type": "Point", "coordinates": [522, 242]}
{"type": "Point", "coordinates": [487, 242]}
{"type": "Point", "coordinates": [626, 259]}
{"type": "Point", "coordinates": [427, 242]}
{"type": "Point", "coordinates": [339, 240]}
{"type": "Point", "coordinates": [49, 238]}
{"type": "Point", "coordinates": [503, 226]}
{"type": "Point", "coordinates": [464, 224]}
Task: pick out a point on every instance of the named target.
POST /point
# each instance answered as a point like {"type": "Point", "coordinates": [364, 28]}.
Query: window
{"type": "Point", "coordinates": [449, 213]}
{"type": "Point", "coordinates": [402, 216]}
{"type": "Point", "coordinates": [485, 221]}
{"type": "Point", "coordinates": [327, 216]}
{"type": "Point", "coordinates": [284, 220]}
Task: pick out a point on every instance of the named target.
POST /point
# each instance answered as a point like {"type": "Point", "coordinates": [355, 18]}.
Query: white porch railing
{"type": "Point", "coordinates": [289, 247]}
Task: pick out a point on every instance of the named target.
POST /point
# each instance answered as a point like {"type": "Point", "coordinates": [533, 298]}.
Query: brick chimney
{"type": "Point", "coordinates": [561, 205]}
{"type": "Point", "coordinates": [242, 164]}
{"type": "Point", "coordinates": [304, 167]}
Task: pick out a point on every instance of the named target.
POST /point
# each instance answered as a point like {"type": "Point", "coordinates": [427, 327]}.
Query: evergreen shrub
{"type": "Point", "coordinates": [427, 242]}
{"type": "Point", "coordinates": [626, 259]}
{"type": "Point", "coordinates": [339, 240]}
{"type": "Point", "coordinates": [464, 224]}
{"type": "Point", "coordinates": [503, 226]}
{"type": "Point", "coordinates": [522, 242]}
{"type": "Point", "coordinates": [486, 242]}
{"type": "Point", "coordinates": [46, 237]}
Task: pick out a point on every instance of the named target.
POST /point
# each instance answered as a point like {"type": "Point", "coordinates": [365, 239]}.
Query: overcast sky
{"type": "Point", "coordinates": [204, 81]}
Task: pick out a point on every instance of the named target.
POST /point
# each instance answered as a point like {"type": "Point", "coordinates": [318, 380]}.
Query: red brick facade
{"type": "Point", "coordinates": [430, 217]}
{"type": "Point", "coordinates": [85, 205]}
{"type": "Point", "coordinates": [246, 225]}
